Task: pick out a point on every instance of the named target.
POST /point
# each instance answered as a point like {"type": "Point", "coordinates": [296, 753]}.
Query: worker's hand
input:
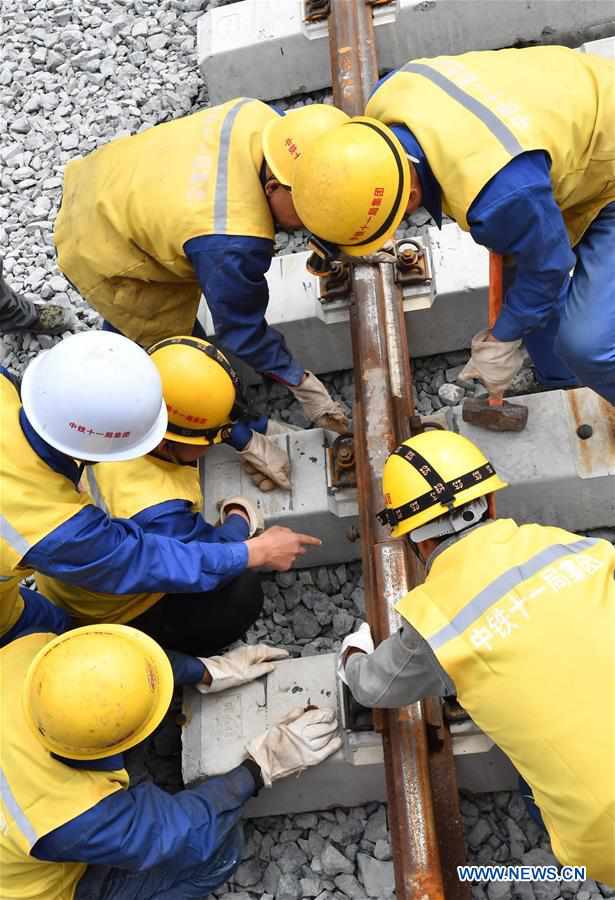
{"type": "Point", "coordinates": [360, 641]}
{"type": "Point", "coordinates": [495, 362]}
{"type": "Point", "coordinates": [278, 548]}
{"type": "Point", "coordinates": [318, 406]}
{"type": "Point", "coordinates": [300, 740]}
{"type": "Point", "coordinates": [242, 506]}
{"type": "Point", "coordinates": [239, 666]}
{"type": "Point", "coordinates": [266, 463]}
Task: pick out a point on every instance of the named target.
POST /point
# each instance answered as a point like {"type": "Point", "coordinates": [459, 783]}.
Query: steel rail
{"type": "Point", "coordinates": [383, 406]}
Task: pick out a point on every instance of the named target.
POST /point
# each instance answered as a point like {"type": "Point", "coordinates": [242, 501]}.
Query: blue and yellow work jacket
{"type": "Point", "coordinates": [522, 620]}
{"type": "Point", "coordinates": [162, 498]}
{"type": "Point", "coordinates": [58, 815]}
{"type": "Point", "coordinates": [149, 221]}
{"type": "Point", "coordinates": [525, 164]}
{"type": "Point", "coordinates": [48, 525]}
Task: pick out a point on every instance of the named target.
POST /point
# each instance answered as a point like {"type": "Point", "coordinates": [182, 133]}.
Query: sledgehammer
{"type": "Point", "coordinates": [495, 413]}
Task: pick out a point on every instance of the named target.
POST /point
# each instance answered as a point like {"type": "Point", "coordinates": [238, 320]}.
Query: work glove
{"type": "Point", "coordinates": [255, 516]}
{"type": "Point", "coordinates": [239, 666]}
{"type": "Point", "coordinates": [361, 640]}
{"type": "Point", "coordinates": [266, 463]}
{"type": "Point", "coordinates": [495, 362]}
{"type": "Point", "coordinates": [300, 740]}
{"type": "Point", "coordinates": [386, 254]}
{"type": "Point", "coordinates": [318, 406]}
{"type": "Point", "coordinates": [274, 427]}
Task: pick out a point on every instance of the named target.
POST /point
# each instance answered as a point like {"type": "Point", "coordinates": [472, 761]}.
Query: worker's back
{"type": "Point", "coordinates": [129, 207]}
{"type": "Point", "coordinates": [34, 499]}
{"type": "Point", "coordinates": [523, 621]}
{"type": "Point", "coordinates": [475, 112]}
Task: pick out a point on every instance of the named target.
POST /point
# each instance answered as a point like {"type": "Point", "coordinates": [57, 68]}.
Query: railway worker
{"type": "Point", "coordinates": [517, 146]}
{"type": "Point", "coordinates": [160, 493]}
{"type": "Point", "coordinates": [72, 703]}
{"type": "Point", "coordinates": [19, 314]}
{"type": "Point", "coordinates": [96, 396]}
{"type": "Point", "coordinates": [518, 622]}
{"type": "Point", "coordinates": [147, 222]}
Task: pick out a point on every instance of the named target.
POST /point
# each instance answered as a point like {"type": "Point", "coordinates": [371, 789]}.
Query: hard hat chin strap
{"type": "Point", "coordinates": [325, 256]}
{"type": "Point", "coordinates": [458, 520]}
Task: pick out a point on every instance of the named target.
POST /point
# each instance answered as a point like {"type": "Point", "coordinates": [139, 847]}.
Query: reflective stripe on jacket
{"type": "Point", "coordinates": [24, 519]}
{"type": "Point", "coordinates": [37, 792]}
{"type": "Point", "coordinates": [129, 208]}
{"type": "Point", "coordinates": [122, 490]}
{"type": "Point", "coordinates": [523, 621]}
{"type": "Point", "coordinates": [475, 112]}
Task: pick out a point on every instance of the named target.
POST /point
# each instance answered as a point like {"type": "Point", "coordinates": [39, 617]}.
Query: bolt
{"type": "Point", "coordinates": [409, 255]}
{"type": "Point", "coordinates": [345, 455]}
{"type": "Point", "coordinates": [584, 432]}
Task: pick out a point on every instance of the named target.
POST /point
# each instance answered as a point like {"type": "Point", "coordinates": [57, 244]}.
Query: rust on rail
{"type": "Point", "coordinates": [423, 803]}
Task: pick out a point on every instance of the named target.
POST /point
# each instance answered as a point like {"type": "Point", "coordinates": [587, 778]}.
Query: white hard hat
{"type": "Point", "coordinates": [95, 396]}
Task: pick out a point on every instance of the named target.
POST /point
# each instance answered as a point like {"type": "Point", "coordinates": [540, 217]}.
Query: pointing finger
{"type": "Point", "coordinates": [309, 539]}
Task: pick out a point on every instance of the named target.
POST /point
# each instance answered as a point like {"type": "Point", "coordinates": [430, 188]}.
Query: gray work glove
{"type": "Point", "coordinates": [318, 406]}
{"type": "Point", "coordinates": [266, 463]}
{"type": "Point", "coordinates": [300, 740]}
{"type": "Point", "coordinates": [239, 666]}
{"type": "Point", "coordinates": [495, 362]}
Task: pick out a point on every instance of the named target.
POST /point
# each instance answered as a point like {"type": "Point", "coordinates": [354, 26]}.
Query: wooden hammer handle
{"type": "Point", "coordinates": [496, 298]}
{"type": "Point", "coordinates": [496, 286]}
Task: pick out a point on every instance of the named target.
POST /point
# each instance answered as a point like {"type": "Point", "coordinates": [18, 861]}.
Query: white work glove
{"type": "Point", "coordinates": [318, 406]}
{"type": "Point", "coordinates": [495, 362]}
{"type": "Point", "coordinates": [256, 520]}
{"type": "Point", "coordinates": [239, 666]}
{"type": "Point", "coordinates": [266, 463]}
{"type": "Point", "coordinates": [275, 427]}
{"type": "Point", "coordinates": [300, 740]}
{"type": "Point", "coordinates": [362, 640]}
{"type": "Point", "coordinates": [386, 254]}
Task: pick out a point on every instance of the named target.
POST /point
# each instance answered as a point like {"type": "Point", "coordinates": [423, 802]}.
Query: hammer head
{"type": "Point", "coordinates": [503, 416]}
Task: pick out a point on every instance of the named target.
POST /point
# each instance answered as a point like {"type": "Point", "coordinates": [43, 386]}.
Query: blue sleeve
{"type": "Point", "coordinates": [234, 529]}
{"type": "Point", "coordinates": [516, 213]}
{"type": "Point", "coordinates": [231, 272]}
{"type": "Point", "coordinates": [186, 669]}
{"type": "Point", "coordinates": [144, 826]}
{"type": "Point", "coordinates": [39, 615]}
{"type": "Point", "coordinates": [176, 519]}
{"type": "Point", "coordinates": [241, 432]}
{"type": "Point", "coordinates": [116, 556]}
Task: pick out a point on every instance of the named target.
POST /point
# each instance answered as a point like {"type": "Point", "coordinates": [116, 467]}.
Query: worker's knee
{"type": "Point", "coordinates": [248, 591]}
{"type": "Point", "coordinates": [587, 350]}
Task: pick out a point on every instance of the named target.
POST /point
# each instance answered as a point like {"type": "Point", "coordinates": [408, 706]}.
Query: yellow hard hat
{"type": "Point", "coordinates": [430, 474]}
{"type": "Point", "coordinates": [287, 137]}
{"type": "Point", "coordinates": [351, 186]}
{"type": "Point", "coordinates": [97, 690]}
{"type": "Point", "coordinates": [199, 386]}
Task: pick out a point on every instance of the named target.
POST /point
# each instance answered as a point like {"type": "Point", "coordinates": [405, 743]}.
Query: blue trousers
{"type": "Point", "coordinates": [163, 882]}
{"type": "Point", "coordinates": [577, 344]}
{"type": "Point", "coordinates": [528, 797]}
